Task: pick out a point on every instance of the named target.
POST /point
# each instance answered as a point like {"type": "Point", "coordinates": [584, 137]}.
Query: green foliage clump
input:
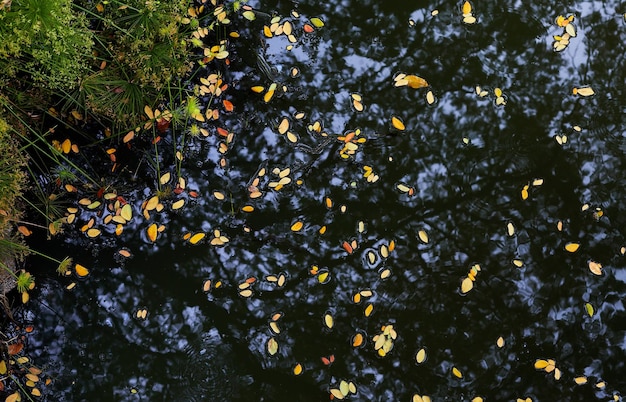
{"type": "Point", "coordinates": [44, 40]}
{"type": "Point", "coordinates": [12, 178]}
{"type": "Point", "coordinates": [141, 47]}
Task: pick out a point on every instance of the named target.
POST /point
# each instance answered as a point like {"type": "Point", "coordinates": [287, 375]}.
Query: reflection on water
{"type": "Point", "coordinates": [468, 160]}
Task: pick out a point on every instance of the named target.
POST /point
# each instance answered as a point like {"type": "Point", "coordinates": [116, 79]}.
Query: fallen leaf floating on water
{"type": "Point", "coordinates": [296, 227]}
{"type": "Point", "coordinates": [421, 398]}
{"type": "Point", "coordinates": [397, 123]}
{"type": "Point", "coordinates": [572, 247]}
{"type": "Point", "coordinates": [468, 16]}
{"type": "Point", "coordinates": [420, 357]}
{"type": "Point", "coordinates": [423, 236]}
{"type": "Point", "coordinates": [580, 380]}
{"type": "Point", "coordinates": [272, 346]}
{"type": "Point", "coordinates": [457, 373]}
{"type": "Point", "coordinates": [500, 342]}
{"type": "Point", "coordinates": [81, 271]}
{"type": "Point", "coordinates": [589, 309]}
{"type": "Point", "coordinates": [298, 369]}
{"type": "Point", "coordinates": [412, 81]}
{"type": "Point", "coordinates": [583, 91]}
{"type": "Point", "coordinates": [595, 268]}
{"type": "Point", "coordinates": [152, 232]}
{"type": "Point", "coordinates": [468, 283]}
{"type": "Point", "coordinates": [317, 22]}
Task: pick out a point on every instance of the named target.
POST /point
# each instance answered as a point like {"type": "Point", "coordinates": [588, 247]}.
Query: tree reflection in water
{"type": "Point", "coordinates": [468, 160]}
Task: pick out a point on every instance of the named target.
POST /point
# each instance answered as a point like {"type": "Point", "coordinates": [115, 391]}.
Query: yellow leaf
{"type": "Point", "coordinates": [423, 236]}
{"type": "Point", "coordinates": [283, 126]}
{"type": "Point", "coordinates": [152, 232]}
{"type": "Point", "coordinates": [127, 212]}
{"type": "Point", "coordinates": [369, 309]}
{"type": "Point", "coordinates": [268, 96]}
{"type": "Point", "coordinates": [81, 271]}
{"type": "Point", "coordinates": [66, 146]}
{"type": "Point", "coordinates": [416, 82]}
{"type": "Point", "coordinates": [466, 285]}
{"type": "Point", "coordinates": [272, 346]}
{"type": "Point", "coordinates": [3, 367]}
{"type": "Point", "coordinates": [500, 342]}
{"type": "Point", "coordinates": [595, 268]}
{"type": "Point", "coordinates": [457, 373]}
{"type": "Point", "coordinates": [317, 22]}
{"type": "Point", "coordinates": [296, 227]}
{"type": "Point", "coordinates": [14, 397]}
{"type": "Point", "coordinates": [572, 247]}
{"type": "Point", "coordinates": [165, 178]}
{"type": "Point", "coordinates": [93, 232]}
{"type": "Point", "coordinates": [328, 321]}
{"type": "Point", "coordinates": [178, 204]}
{"type": "Point", "coordinates": [197, 237]}
{"type": "Point", "coordinates": [420, 357]}
{"type": "Point", "coordinates": [580, 380]}
{"type": "Point", "coordinates": [467, 7]}
{"type": "Point", "coordinates": [589, 309]}
{"type": "Point", "coordinates": [584, 91]}
{"type": "Point", "coordinates": [148, 111]}
{"type": "Point", "coordinates": [397, 123]}
{"type": "Point", "coordinates": [337, 393]}
{"type": "Point", "coordinates": [297, 370]}
{"type": "Point", "coordinates": [152, 203]}
{"type": "Point", "coordinates": [541, 364]}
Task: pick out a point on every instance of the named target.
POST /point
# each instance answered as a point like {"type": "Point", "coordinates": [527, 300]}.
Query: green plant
{"type": "Point", "coordinates": [44, 40]}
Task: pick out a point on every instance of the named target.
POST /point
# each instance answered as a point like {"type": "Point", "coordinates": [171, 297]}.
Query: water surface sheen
{"type": "Point", "coordinates": [465, 159]}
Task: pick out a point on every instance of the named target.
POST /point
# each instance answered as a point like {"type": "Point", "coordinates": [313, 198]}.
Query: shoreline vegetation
{"type": "Point", "coordinates": [77, 79]}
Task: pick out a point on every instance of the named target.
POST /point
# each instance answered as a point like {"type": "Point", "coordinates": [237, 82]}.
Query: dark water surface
{"type": "Point", "coordinates": [467, 160]}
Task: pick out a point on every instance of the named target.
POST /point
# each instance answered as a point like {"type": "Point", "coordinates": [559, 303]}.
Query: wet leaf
{"type": "Point", "coordinates": [357, 340]}
{"type": "Point", "coordinates": [272, 346]}
{"type": "Point", "coordinates": [580, 380]}
{"type": "Point", "coordinates": [423, 236]}
{"type": "Point", "coordinates": [595, 268]}
{"type": "Point", "coordinates": [329, 321]}
{"type": "Point", "coordinates": [283, 126]}
{"type": "Point", "coordinates": [467, 7]}
{"type": "Point", "coordinates": [249, 15]}
{"type": "Point", "coordinates": [457, 373]}
{"type": "Point", "coordinates": [541, 364]}
{"type": "Point", "coordinates": [420, 357]}
{"type": "Point", "coordinates": [127, 212]}
{"type": "Point", "coordinates": [24, 230]}
{"type": "Point", "coordinates": [572, 247]}
{"type": "Point", "coordinates": [14, 397]}
{"type": "Point", "coordinates": [317, 22]}
{"type": "Point", "coordinates": [197, 237]}
{"type": "Point", "coordinates": [584, 91]}
{"type": "Point", "coordinates": [298, 369]}
{"type": "Point", "coordinates": [81, 271]}
{"type": "Point", "coordinates": [589, 309]}
{"type": "Point", "coordinates": [467, 285]}
{"type": "Point", "coordinates": [152, 232]}
{"type": "Point", "coordinates": [335, 392]}
{"type": "Point", "coordinates": [3, 367]}
{"type": "Point", "coordinates": [397, 123]}
{"type": "Point", "coordinates": [178, 204]}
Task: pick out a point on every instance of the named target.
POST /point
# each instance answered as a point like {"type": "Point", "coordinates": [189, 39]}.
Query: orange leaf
{"type": "Point", "coordinates": [15, 348]}
{"type": "Point", "coordinates": [228, 105]}
{"type": "Point", "coordinates": [24, 230]}
{"type": "Point", "coordinates": [152, 232]}
{"type": "Point", "coordinates": [81, 271]}
{"type": "Point", "coordinates": [308, 28]}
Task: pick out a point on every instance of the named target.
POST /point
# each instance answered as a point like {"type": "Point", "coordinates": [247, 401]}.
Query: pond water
{"type": "Point", "coordinates": [497, 184]}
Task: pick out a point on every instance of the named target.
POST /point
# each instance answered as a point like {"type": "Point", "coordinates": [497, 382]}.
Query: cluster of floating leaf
{"type": "Point", "coordinates": [562, 40]}
{"type": "Point", "coordinates": [383, 341]}
{"type": "Point", "coordinates": [468, 13]}
{"type": "Point", "coordinates": [343, 389]}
